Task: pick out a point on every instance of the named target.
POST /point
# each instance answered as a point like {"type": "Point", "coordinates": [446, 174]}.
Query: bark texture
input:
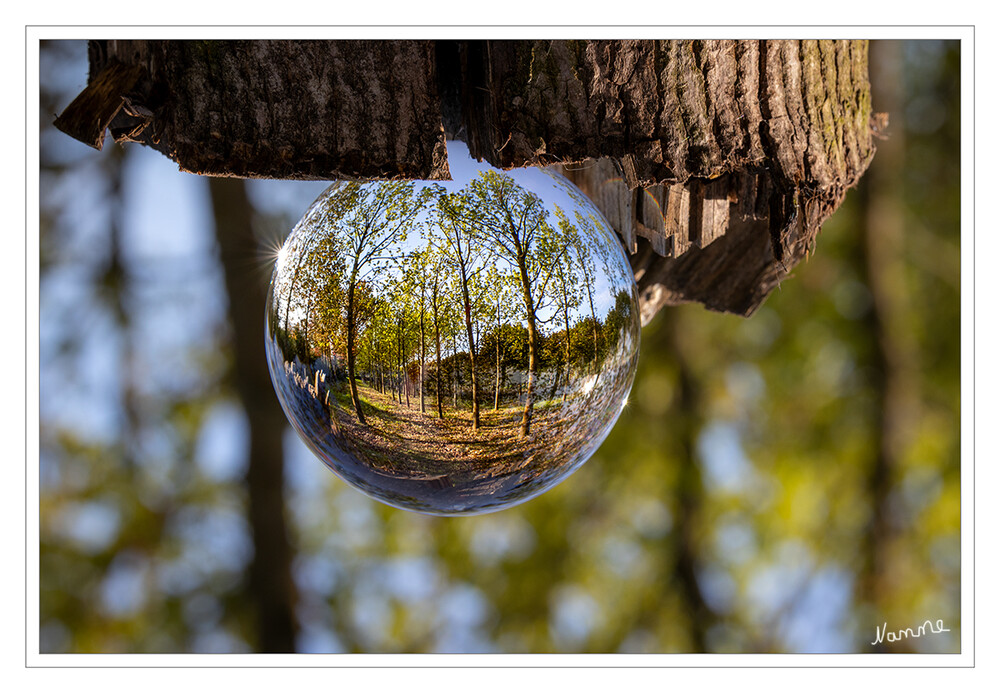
{"type": "Point", "coordinates": [307, 110]}
{"type": "Point", "coordinates": [757, 142]}
{"type": "Point", "coordinates": [715, 161]}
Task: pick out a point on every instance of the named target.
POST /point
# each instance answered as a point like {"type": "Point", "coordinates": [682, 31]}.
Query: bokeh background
{"type": "Point", "coordinates": [783, 483]}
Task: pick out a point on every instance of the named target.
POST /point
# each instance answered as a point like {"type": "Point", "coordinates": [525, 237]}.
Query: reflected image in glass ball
{"type": "Point", "coordinates": [453, 347]}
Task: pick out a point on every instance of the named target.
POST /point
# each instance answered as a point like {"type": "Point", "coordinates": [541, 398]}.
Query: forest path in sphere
{"type": "Point", "coordinates": [428, 446]}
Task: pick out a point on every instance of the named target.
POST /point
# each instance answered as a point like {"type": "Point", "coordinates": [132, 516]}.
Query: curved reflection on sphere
{"type": "Point", "coordinates": [457, 347]}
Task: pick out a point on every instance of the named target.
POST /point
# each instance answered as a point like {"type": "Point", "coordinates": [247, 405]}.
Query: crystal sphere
{"type": "Point", "coordinates": [453, 347]}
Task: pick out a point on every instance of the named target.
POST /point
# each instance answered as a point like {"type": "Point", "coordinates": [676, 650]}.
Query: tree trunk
{"type": "Point", "coordinates": [351, 337]}
{"type": "Point", "coordinates": [743, 147]}
{"type": "Point", "coordinates": [423, 350]}
{"type": "Point", "coordinates": [454, 370]}
{"type": "Point", "coordinates": [689, 492]}
{"type": "Point", "coordinates": [398, 384]}
{"type": "Point", "coordinates": [306, 110]}
{"type": "Point", "coordinates": [568, 344]}
{"type": "Point", "coordinates": [437, 348]}
{"type": "Point", "coordinates": [767, 138]}
{"type": "Point", "coordinates": [496, 394]}
{"type": "Point", "coordinates": [472, 352]}
{"type": "Point", "coordinates": [529, 306]}
{"type": "Point", "coordinates": [271, 586]}
{"type": "Point", "coordinates": [593, 316]}
{"type": "Point", "coordinates": [403, 375]}
{"type": "Point", "coordinates": [892, 365]}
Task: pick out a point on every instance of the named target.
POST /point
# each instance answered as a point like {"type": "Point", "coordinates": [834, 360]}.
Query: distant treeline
{"type": "Point", "coordinates": [502, 363]}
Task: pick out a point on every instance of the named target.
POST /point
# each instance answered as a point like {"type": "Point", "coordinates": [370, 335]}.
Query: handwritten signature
{"type": "Point", "coordinates": [923, 629]}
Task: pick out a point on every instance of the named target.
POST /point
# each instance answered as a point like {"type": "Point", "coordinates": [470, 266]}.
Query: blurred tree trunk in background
{"type": "Point", "coordinates": [881, 224]}
{"type": "Point", "coordinates": [687, 411]}
{"type": "Point", "coordinates": [115, 282]}
{"type": "Point", "coordinates": [272, 590]}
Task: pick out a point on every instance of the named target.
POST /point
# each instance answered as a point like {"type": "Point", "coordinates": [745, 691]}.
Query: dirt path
{"type": "Point", "coordinates": [403, 441]}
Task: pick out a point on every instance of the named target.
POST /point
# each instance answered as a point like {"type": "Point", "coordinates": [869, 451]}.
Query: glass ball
{"type": "Point", "coordinates": [453, 347]}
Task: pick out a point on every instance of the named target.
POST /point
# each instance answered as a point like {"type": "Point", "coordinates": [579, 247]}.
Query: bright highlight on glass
{"type": "Point", "coordinates": [453, 348]}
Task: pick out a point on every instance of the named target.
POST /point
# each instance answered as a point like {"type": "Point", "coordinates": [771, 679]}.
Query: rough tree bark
{"type": "Point", "coordinates": [716, 161]}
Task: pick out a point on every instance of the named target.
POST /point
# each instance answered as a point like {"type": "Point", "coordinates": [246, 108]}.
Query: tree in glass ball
{"type": "Point", "coordinates": [453, 348]}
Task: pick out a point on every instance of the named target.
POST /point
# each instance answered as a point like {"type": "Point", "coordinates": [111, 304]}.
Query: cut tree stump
{"type": "Point", "coordinates": [715, 161]}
